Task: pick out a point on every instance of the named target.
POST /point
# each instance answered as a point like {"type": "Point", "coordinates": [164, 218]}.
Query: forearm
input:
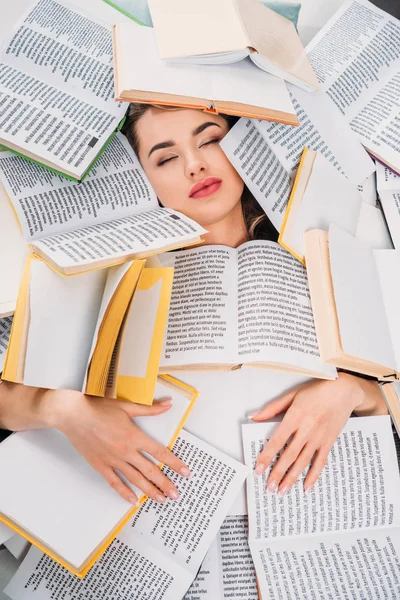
{"type": "Point", "coordinates": [369, 398]}
{"type": "Point", "coordinates": [23, 407]}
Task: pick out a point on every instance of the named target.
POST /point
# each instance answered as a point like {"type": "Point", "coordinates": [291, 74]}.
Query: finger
{"type": "Point", "coordinates": [318, 464]}
{"type": "Point", "coordinates": [153, 474]}
{"type": "Point", "coordinates": [165, 457]}
{"type": "Point", "coordinates": [275, 407]}
{"type": "Point", "coordinates": [304, 459]}
{"type": "Point", "coordinates": [141, 410]}
{"type": "Point", "coordinates": [285, 461]}
{"type": "Point", "coordinates": [274, 445]}
{"type": "Point", "coordinates": [119, 486]}
{"type": "Point", "coordinates": [139, 480]}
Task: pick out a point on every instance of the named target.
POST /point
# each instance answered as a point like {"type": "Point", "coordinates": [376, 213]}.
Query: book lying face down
{"type": "Point", "coordinates": [245, 306]}
{"type": "Point", "coordinates": [72, 513]}
{"type": "Point", "coordinates": [99, 332]}
{"type": "Point", "coordinates": [111, 217]}
{"type": "Point", "coordinates": [229, 31]}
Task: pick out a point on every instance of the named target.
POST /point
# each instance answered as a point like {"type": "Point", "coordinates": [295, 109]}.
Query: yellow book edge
{"type": "Point", "coordinates": [193, 393]}
{"type": "Point", "coordinates": [297, 187]}
{"type": "Point", "coordinates": [142, 388]}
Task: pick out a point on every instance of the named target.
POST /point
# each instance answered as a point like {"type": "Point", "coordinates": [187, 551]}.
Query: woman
{"type": "Point", "coordinates": [180, 153]}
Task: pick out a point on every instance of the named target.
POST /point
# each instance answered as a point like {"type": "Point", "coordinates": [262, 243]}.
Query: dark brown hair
{"type": "Point", "coordinates": [257, 223]}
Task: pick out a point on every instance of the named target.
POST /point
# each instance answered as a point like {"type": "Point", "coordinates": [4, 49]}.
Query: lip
{"type": "Point", "coordinates": [205, 188]}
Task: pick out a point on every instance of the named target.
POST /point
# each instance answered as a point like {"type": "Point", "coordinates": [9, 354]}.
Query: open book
{"type": "Point", "coordinates": [66, 329]}
{"type": "Point", "coordinates": [249, 305]}
{"type": "Point", "coordinates": [388, 184]}
{"type": "Point", "coordinates": [72, 513]}
{"type": "Point", "coordinates": [111, 217]}
{"type": "Point", "coordinates": [267, 155]}
{"type": "Point", "coordinates": [357, 61]}
{"type": "Point", "coordinates": [342, 540]}
{"type": "Point", "coordinates": [156, 555]}
{"type": "Point", "coordinates": [355, 295]}
{"type": "Point", "coordinates": [140, 76]}
{"type": "Point", "coordinates": [56, 82]}
{"type": "Point", "coordinates": [212, 33]}
{"type": "Point", "coordinates": [320, 196]}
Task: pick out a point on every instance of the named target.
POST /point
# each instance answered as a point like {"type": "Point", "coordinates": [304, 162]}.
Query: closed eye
{"type": "Point", "coordinates": [211, 142]}
{"type": "Point", "coordinates": [165, 160]}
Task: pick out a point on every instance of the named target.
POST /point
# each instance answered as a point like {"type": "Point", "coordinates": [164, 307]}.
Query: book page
{"type": "Point", "coordinates": [356, 57]}
{"type": "Point", "coordinates": [275, 318]}
{"type": "Point", "coordinates": [61, 482]}
{"type": "Point", "coordinates": [388, 264]}
{"type": "Point", "coordinates": [359, 487]}
{"type": "Point", "coordinates": [227, 570]}
{"type": "Point", "coordinates": [388, 184]}
{"type": "Point", "coordinates": [259, 168]}
{"type": "Point", "coordinates": [162, 547]}
{"type": "Point", "coordinates": [5, 533]}
{"type": "Point", "coordinates": [372, 227]}
{"type": "Point", "coordinates": [201, 326]}
{"type": "Point", "coordinates": [48, 204]}
{"type": "Point", "coordinates": [322, 128]}
{"type": "Point", "coordinates": [363, 323]}
{"type": "Point", "coordinates": [356, 565]}
{"type": "Point", "coordinates": [5, 330]}
{"type": "Point", "coordinates": [120, 239]}
{"type": "Point", "coordinates": [56, 79]}
{"type": "Point", "coordinates": [18, 546]}
{"type": "Point", "coordinates": [63, 316]}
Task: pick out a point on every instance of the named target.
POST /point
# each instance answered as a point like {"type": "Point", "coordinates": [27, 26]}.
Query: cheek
{"type": "Point", "coordinates": [165, 183]}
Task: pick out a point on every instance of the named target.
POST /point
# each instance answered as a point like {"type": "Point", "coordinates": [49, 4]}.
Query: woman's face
{"type": "Point", "coordinates": [180, 153]}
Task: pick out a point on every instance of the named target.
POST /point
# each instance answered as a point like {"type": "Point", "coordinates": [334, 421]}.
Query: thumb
{"type": "Point", "coordinates": [275, 407]}
{"type": "Point", "coordinates": [132, 409]}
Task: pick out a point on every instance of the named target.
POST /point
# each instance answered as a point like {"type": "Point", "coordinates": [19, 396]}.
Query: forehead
{"type": "Point", "coordinates": [158, 125]}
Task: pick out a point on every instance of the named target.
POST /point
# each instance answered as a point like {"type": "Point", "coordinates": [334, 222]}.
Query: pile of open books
{"type": "Point", "coordinates": [100, 291]}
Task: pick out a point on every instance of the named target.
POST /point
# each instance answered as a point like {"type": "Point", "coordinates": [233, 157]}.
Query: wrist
{"type": "Point", "coordinates": [354, 390]}
{"type": "Point", "coordinates": [365, 394]}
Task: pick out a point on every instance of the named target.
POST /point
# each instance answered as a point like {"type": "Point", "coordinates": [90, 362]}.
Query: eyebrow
{"type": "Point", "coordinates": [170, 143]}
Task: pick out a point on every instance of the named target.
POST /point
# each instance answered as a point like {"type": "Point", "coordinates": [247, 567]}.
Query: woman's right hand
{"type": "Point", "coordinates": [102, 431]}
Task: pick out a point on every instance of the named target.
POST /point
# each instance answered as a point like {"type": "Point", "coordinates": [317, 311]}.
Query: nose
{"type": "Point", "coordinates": [195, 167]}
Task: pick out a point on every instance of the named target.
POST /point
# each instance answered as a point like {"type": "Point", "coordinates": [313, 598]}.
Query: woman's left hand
{"type": "Point", "coordinates": [315, 415]}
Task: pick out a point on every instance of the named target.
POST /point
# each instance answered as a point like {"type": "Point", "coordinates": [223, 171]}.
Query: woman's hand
{"type": "Point", "coordinates": [315, 415]}
{"type": "Point", "coordinates": [102, 431]}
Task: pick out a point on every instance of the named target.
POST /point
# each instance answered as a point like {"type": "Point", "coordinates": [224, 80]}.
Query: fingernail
{"type": "Point", "coordinates": [271, 487]}
{"type": "Point", "coordinates": [165, 402]}
{"type": "Point", "coordinates": [260, 468]}
{"type": "Point", "coordinates": [160, 498]}
{"type": "Point", "coordinates": [173, 494]}
{"type": "Point", "coordinates": [185, 472]}
{"type": "Point", "coordinates": [133, 500]}
{"type": "Point", "coordinates": [282, 491]}
{"type": "Point", "coordinates": [250, 417]}
{"type": "Point", "coordinates": [308, 489]}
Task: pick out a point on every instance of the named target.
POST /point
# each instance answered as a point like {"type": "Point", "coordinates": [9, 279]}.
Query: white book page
{"type": "Point", "coordinates": [228, 568]}
{"type": "Point", "coordinates": [201, 326]}
{"type": "Point", "coordinates": [140, 69]}
{"type": "Point", "coordinates": [389, 194]}
{"type": "Point", "coordinates": [178, 534]}
{"type": "Point", "coordinates": [388, 266]}
{"type": "Point", "coordinates": [18, 546]}
{"type": "Point", "coordinates": [48, 204]}
{"type": "Point", "coordinates": [5, 330]}
{"type": "Point", "coordinates": [367, 189]}
{"type": "Point", "coordinates": [275, 318]}
{"type": "Point", "coordinates": [72, 508]}
{"type": "Point", "coordinates": [372, 227]}
{"type": "Point", "coordinates": [13, 253]}
{"type": "Point", "coordinates": [63, 316]}
{"type": "Point", "coordinates": [322, 128]}
{"type": "Point", "coordinates": [138, 332]}
{"type": "Point", "coordinates": [5, 533]}
{"type": "Point", "coordinates": [329, 198]}
{"type": "Point", "coordinates": [354, 565]}
{"type": "Point", "coordinates": [364, 326]}
{"type": "Point", "coordinates": [57, 68]}
{"type": "Point", "coordinates": [129, 568]}
{"type": "Point", "coordinates": [259, 167]}
{"type": "Point", "coordinates": [120, 239]}
{"type": "Point", "coordinates": [359, 487]}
